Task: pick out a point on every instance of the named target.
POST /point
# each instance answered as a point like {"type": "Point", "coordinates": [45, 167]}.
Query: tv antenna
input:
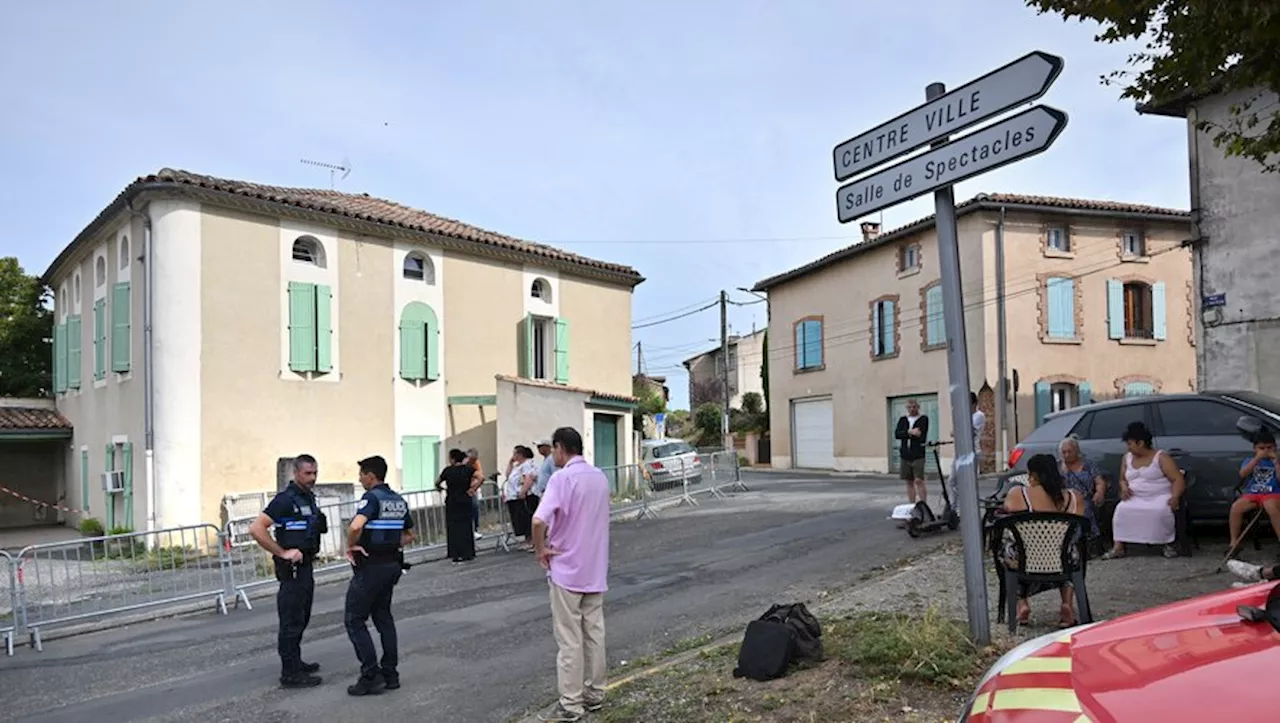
{"type": "Point", "coordinates": [345, 167]}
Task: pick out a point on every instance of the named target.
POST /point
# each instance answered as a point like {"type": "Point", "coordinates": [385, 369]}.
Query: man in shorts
{"type": "Point", "coordinates": [911, 433]}
{"type": "Point", "coordinates": [1261, 488]}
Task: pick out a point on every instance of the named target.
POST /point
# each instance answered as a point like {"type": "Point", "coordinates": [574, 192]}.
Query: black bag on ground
{"type": "Point", "coordinates": [784, 635]}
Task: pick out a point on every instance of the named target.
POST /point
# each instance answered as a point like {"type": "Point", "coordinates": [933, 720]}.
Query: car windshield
{"type": "Point", "coordinates": [671, 449]}
{"type": "Point", "coordinates": [1262, 401]}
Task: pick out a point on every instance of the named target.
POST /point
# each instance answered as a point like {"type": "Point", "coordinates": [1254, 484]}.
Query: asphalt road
{"type": "Point", "coordinates": [475, 641]}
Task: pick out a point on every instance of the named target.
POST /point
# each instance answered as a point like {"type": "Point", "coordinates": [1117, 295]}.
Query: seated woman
{"type": "Point", "coordinates": [1080, 474]}
{"type": "Point", "coordinates": [1151, 488]}
{"type": "Point", "coordinates": [1045, 491]}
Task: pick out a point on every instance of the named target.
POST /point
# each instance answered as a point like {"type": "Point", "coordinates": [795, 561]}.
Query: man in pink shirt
{"type": "Point", "coordinates": [571, 538]}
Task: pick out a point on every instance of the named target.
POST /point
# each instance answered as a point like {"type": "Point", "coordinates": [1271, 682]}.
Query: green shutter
{"type": "Point", "coordinates": [411, 471]}
{"type": "Point", "coordinates": [302, 326]}
{"type": "Point", "coordinates": [432, 331]}
{"type": "Point", "coordinates": [1044, 403]}
{"type": "Point", "coordinates": [74, 354]}
{"type": "Point", "coordinates": [84, 479]}
{"type": "Point", "coordinates": [413, 348]}
{"type": "Point", "coordinates": [562, 351]}
{"type": "Point", "coordinates": [127, 450]}
{"type": "Point", "coordinates": [100, 339]}
{"type": "Point", "coordinates": [109, 458]}
{"type": "Point", "coordinates": [120, 346]}
{"type": "Point", "coordinates": [60, 358]}
{"type": "Point", "coordinates": [324, 328]}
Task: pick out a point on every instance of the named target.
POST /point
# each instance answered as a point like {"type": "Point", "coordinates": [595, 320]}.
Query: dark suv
{"type": "Point", "coordinates": [1205, 433]}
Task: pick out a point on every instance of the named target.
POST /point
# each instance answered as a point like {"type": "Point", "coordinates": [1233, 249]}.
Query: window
{"type": "Point", "coordinates": [419, 343]}
{"type": "Point", "coordinates": [310, 327]}
{"type": "Point", "coordinates": [1137, 311]}
{"type": "Point", "coordinates": [672, 449]}
{"type": "Point", "coordinates": [100, 272]}
{"type": "Point", "coordinates": [809, 344]}
{"type": "Point", "coordinates": [1139, 389]}
{"type": "Point", "coordinates": [1111, 422]}
{"type": "Point", "coordinates": [307, 250]}
{"type": "Point", "coordinates": [909, 257]}
{"type": "Point", "coordinates": [1132, 243]}
{"type": "Point", "coordinates": [540, 289]}
{"type": "Point", "coordinates": [935, 331]}
{"type": "Point", "coordinates": [75, 292]}
{"type": "Point", "coordinates": [1056, 239]}
{"type": "Point", "coordinates": [1198, 418]}
{"type": "Point", "coordinates": [545, 347]}
{"type": "Point", "coordinates": [1060, 308]}
{"type": "Point", "coordinates": [1063, 396]}
{"type": "Point", "coordinates": [123, 252]}
{"type": "Point", "coordinates": [883, 330]}
{"type": "Point", "coordinates": [419, 268]}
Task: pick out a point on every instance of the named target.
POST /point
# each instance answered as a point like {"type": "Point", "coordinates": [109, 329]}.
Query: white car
{"type": "Point", "coordinates": [670, 462]}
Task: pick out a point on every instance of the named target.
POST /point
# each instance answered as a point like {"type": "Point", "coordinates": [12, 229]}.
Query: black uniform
{"type": "Point", "coordinates": [298, 526]}
{"type": "Point", "coordinates": [376, 575]}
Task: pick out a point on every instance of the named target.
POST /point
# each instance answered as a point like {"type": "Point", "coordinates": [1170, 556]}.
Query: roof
{"type": "Point", "coordinates": [353, 207]}
{"type": "Point", "coordinates": [606, 396]}
{"type": "Point", "coordinates": [733, 339]}
{"type": "Point", "coordinates": [31, 419]}
{"type": "Point", "coordinates": [987, 202]}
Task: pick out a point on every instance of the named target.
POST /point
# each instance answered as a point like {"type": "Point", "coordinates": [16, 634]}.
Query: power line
{"type": "Point", "coordinates": [674, 318]}
{"type": "Point", "coordinates": [675, 311]}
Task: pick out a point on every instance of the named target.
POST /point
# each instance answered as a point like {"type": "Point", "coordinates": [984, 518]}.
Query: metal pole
{"type": "Point", "coordinates": [724, 369]}
{"type": "Point", "coordinates": [1002, 385]}
{"type": "Point", "coordinates": [965, 474]}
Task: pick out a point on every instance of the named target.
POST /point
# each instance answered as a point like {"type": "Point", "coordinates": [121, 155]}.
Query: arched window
{"type": "Point", "coordinates": [419, 268]}
{"type": "Point", "coordinates": [124, 252]}
{"type": "Point", "coordinates": [75, 291]}
{"type": "Point", "coordinates": [100, 271]}
{"type": "Point", "coordinates": [308, 250]}
{"type": "Point", "coordinates": [419, 343]}
{"type": "Point", "coordinates": [540, 289]}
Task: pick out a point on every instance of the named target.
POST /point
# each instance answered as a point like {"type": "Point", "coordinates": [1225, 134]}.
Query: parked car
{"type": "Point", "coordinates": [1206, 433]}
{"type": "Point", "coordinates": [1193, 660]}
{"type": "Point", "coordinates": [670, 462]}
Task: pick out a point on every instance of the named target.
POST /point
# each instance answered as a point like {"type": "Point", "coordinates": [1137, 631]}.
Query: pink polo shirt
{"type": "Point", "coordinates": [575, 508]}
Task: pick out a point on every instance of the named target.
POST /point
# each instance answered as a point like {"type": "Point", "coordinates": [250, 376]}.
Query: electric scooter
{"type": "Point", "coordinates": [922, 520]}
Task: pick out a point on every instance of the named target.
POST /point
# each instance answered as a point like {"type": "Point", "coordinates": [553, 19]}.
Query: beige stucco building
{"type": "Point", "coordinates": [290, 320]}
{"type": "Point", "coordinates": [1096, 302]}
{"type": "Point", "coordinates": [706, 371]}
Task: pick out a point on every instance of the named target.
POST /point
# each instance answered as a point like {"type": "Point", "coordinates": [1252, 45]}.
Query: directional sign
{"type": "Point", "coordinates": [1015, 138]}
{"type": "Point", "coordinates": [1021, 81]}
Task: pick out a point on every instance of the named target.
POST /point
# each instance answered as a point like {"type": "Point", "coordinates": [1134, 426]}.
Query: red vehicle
{"type": "Point", "coordinates": [1205, 659]}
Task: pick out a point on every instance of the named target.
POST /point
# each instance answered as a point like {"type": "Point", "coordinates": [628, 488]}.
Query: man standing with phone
{"type": "Point", "coordinates": [911, 433]}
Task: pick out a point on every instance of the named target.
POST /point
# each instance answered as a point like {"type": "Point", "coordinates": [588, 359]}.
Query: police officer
{"type": "Point", "coordinates": [379, 530]}
{"type": "Point", "coordinates": [298, 525]}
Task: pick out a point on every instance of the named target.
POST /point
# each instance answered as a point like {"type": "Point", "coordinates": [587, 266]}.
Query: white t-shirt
{"type": "Point", "coordinates": [512, 489]}
{"type": "Point", "coordinates": [979, 421]}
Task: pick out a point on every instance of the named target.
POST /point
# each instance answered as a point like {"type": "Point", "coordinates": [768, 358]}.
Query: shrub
{"type": "Point", "coordinates": [91, 527]}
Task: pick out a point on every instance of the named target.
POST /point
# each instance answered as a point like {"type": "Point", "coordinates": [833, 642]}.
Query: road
{"type": "Point", "coordinates": [475, 641]}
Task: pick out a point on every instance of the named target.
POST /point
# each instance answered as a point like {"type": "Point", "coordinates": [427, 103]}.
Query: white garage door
{"type": "Point", "coordinates": [813, 428]}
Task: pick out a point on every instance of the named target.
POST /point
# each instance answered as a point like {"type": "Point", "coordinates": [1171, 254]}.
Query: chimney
{"type": "Point", "coordinates": [870, 230]}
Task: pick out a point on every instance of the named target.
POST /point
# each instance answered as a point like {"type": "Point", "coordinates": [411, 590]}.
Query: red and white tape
{"type": "Point", "coordinates": [38, 503]}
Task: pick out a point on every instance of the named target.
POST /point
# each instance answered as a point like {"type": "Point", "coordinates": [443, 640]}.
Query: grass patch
{"type": "Point", "coordinates": [928, 648]}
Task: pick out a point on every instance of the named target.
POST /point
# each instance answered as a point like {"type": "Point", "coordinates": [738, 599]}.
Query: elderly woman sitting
{"type": "Point", "coordinates": [1151, 488]}
{"type": "Point", "coordinates": [1081, 475]}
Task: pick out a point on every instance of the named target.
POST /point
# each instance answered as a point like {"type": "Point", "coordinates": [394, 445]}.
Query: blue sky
{"type": "Point", "coordinates": [689, 140]}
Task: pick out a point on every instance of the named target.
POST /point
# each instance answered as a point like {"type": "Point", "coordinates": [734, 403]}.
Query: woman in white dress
{"type": "Point", "coordinates": [1151, 489]}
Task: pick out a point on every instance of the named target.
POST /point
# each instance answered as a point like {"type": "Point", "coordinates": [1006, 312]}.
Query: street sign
{"type": "Point", "coordinates": [660, 425]}
{"type": "Point", "coordinates": [1003, 89]}
{"type": "Point", "coordinates": [1214, 300]}
{"type": "Point", "coordinates": [1013, 139]}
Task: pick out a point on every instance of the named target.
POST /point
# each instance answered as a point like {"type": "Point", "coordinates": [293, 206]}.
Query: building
{"type": "Point", "coordinates": [286, 320]}
{"type": "Point", "coordinates": [1235, 209]}
{"type": "Point", "coordinates": [1095, 305]}
{"type": "Point", "coordinates": [32, 439]}
{"type": "Point", "coordinates": [652, 384]}
{"type": "Point", "coordinates": [746, 358]}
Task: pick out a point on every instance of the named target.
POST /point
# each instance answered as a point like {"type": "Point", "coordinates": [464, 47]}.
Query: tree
{"type": "Point", "coordinates": [1196, 47]}
{"type": "Point", "coordinates": [650, 402]}
{"type": "Point", "coordinates": [764, 377]}
{"type": "Point", "coordinates": [706, 422]}
{"type": "Point", "coordinates": [26, 333]}
{"type": "Point", "coordinates": [678, 423]}
{"type": "Point", "coordinates": [706, 391]}
{"type": "Point", "coordinates": [751, 417]}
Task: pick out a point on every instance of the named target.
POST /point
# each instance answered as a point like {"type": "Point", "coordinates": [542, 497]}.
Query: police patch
{"type": "Point", "coordinates": [363, 504]}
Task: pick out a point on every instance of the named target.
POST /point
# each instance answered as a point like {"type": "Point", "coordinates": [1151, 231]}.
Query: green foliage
{"type": "Point", "coordinates": [651, 402]}
{"type": "Point", "coordinates": [706, 424]}
{"type": "Point", "coordinates": [751, 417]}
{"type": "Point", "coordinates": [92, 527]}
{"type": "Point", "coordinates": [1194, 47]}
{"type": "Point", "coordinates": [930, 647]}
{"type": "Point", "coordinates": [678, 423]}
{"type": "Point", "coordinates": [26, 333]}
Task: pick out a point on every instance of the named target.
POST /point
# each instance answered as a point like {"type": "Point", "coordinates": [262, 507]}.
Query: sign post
{"type": "Point", "coordinates": [948, 162]}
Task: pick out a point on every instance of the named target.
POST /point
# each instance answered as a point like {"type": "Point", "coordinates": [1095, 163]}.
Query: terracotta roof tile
{"type": "Point", "coordinates": [565, 388]}
{"type": "Point", "coordinates": [980, 202]}
{"type": "Point", "coordinates": [29, 418]}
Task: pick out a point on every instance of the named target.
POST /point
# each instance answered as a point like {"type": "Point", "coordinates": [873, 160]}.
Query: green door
{"type": "Point", "coordinates": [605, 427]}
{"type": "Point", "coordinates": [420, 465]}
{"type": "Point", "coordinates": [898, 408]}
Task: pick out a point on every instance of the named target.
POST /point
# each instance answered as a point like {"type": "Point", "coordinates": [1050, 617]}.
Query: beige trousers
{"type": "Point", "coordinates": [578, 622]}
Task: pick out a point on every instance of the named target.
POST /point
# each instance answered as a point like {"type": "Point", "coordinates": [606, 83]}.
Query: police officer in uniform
{"type": "Point", "coordinates": [380, 529]}
{"type": "Point", "coordinates": [298, 525]}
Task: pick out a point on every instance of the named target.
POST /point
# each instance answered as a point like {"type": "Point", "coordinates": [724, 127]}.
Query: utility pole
{"type": "Point", "coordinates": [1002, 386]}
{"type": "Point", "coordinates": [639, 359]}
{"type": "Point", "coordinates": [724, 369]}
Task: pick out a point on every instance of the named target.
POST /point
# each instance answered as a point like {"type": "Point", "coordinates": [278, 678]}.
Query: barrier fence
{"type": "Point", "coordinates": [61, 583]}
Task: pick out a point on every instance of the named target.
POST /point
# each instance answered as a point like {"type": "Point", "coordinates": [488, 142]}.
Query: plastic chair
{"type": "Point", "coordinates": [1050, 549]}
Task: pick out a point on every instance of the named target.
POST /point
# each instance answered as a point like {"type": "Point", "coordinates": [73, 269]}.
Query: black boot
{"type": "Point", "coordinates": [392, 679]}
{"type": "Point", "coordinates": [299, 680]}
{"type": "Point", "coordinates": [310, 667]}
{"type": "Point", "coordinates": [367, 686]}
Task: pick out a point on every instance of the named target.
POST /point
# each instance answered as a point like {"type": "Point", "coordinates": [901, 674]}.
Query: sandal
{"type": "Point", "coordinates": [1024, 613]}
{"type": "Point", "coordinates": [1111, 555]}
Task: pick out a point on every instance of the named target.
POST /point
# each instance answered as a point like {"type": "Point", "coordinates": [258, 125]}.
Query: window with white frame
{"type": "Point", "coordinates": [308, 250]}
{"type": "Point", "coordinates": [1056, 239]}
{"type": "Point", "coordinates": [417, 267]}
{"type": "Point", "coordinates": [540, 289]}
{"type": "Point", "coordinates": [1132, 243]}
{"type": "Point", "coordinates": [123, 252]}
{"type": "Point", "coordinates": [909, 257]}
{"type": "Point", "coordinates": [883, 329]}
{"type": "Point", "coordinates": [75, 291]}
{"type": "Point", "coordinates": [100, 271]}
{"type": "Point", "coordinates": [1063, 396]}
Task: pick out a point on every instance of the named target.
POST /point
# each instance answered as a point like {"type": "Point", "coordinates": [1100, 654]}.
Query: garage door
{"type": "Point", "coordinates": [813, 429]}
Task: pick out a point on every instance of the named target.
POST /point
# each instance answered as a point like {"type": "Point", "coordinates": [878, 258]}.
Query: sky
{"type": "Point", "coordinates": [691, 141]}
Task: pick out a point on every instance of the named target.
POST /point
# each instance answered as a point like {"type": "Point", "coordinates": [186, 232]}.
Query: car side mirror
{"type": "Point", "coordinates": [1249, 426]}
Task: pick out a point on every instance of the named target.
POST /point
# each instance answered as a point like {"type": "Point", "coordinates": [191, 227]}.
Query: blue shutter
{"type": "Point", "coordinates": [1061, 295]}
{"type": "Point", "coordinates": [1043, 403]}
{"type": "Point", "coordinates": [888, 328]}
{"type": "Point", "coordinates": [1138, 389]}
{"type": "Point", "coordinates": [936, 329]}
{"type": "Point", "coordinates": [1115, 309]}
{"type": "Point", "coordinates": [877, 347]}
{"type": "Point", "coordinates": [1084, 393]}
{"type": "Point", "coordinates": [1159, 319]}
{"type": "Point", "coordinates": [813, 343]}
{"type": "Point", "coordinates": [800, 345]}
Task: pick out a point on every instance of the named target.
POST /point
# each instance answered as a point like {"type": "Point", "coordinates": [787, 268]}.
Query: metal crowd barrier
{"type": "Point", "coordinates": [63, 582]}
{"type": "Point", "coordinates": [639, 490]}
{"type": "Point", "coordinates": [8, 600]}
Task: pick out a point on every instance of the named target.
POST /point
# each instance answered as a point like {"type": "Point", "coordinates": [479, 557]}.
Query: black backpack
{"type": "Point", "coordinates": [784, 635]}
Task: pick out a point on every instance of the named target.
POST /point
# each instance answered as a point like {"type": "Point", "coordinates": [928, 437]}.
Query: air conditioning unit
{"type": "Point", "coordinates": [113, 481]}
